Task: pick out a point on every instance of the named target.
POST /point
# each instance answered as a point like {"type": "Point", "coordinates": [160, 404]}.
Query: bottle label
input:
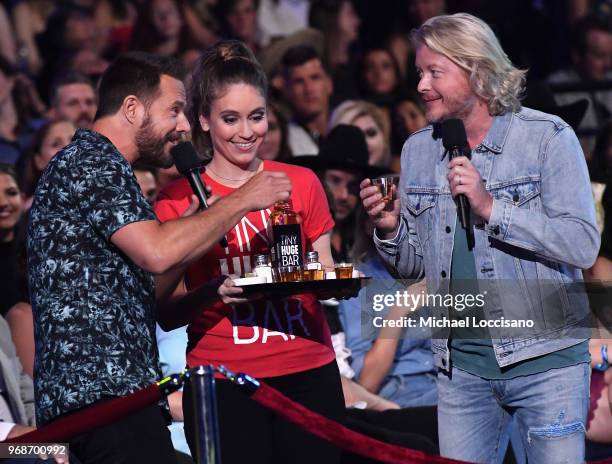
{"type": "Point", "coordinates": [287, 245]}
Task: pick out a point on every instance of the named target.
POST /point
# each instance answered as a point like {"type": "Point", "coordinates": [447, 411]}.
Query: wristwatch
{"type": "Point", "coordinates": [603, 365]}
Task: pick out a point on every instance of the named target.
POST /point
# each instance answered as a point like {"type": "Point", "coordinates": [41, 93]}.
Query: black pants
{"type": "Point", "coordinates": [140, 437]}
{"type": "Point", "coordinates": [251, 433]}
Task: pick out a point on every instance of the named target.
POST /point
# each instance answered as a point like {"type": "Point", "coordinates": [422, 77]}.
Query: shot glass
{"type": "Point", "coordinates": [385, 187]}
{"type": "Point", "coordinates": [290, 274]}
{"type": "Point", "coordinates": [344, 270]}
{"type": "Point", "coordinates": [313, 274]}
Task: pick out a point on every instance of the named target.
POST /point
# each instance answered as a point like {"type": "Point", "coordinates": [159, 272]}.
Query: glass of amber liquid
{"type": "Point", "coordinates": [290, 273]}
{"type": "Point", "coordinates": [313, 274]}
{"type": "Point", "coordinates": [344, 270]}
{"type": "Point", "coordinates": [385, 186]}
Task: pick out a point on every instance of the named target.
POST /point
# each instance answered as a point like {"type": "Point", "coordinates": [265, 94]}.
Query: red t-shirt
{"type": "Point", "coordinates": [267, 337]}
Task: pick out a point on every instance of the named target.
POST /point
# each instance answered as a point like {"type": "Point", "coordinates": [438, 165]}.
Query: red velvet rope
{"type": "Point", "coordinates": [340, 435]}
{"type": "Point", "coordinates": [67, 427]}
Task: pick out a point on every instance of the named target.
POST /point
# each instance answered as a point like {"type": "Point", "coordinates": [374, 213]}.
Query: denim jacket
{"type": "Point", "coordinates": [540, 235]}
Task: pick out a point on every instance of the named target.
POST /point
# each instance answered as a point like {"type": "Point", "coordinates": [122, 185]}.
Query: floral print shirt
{"type": "Point", "coordinates": [93, 307]}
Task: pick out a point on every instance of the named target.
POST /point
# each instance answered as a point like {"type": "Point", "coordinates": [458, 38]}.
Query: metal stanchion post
{"type": "Point", "coordinates": [206, 417]}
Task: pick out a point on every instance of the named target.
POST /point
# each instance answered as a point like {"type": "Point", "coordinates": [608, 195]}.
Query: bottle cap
{"type": "Point", "coordinates": [312, 255]}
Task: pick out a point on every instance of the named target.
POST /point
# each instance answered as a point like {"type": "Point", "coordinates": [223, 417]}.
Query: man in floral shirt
{"type": "Point", "coordinates": [93, 246]}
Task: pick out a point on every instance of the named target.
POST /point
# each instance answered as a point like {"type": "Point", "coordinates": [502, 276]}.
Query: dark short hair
{"type": "Point", "coordinates": [134, 73]}
{"type": "Point", "coordinates": [69, 78]}
{"type": "Point", "coordinates": [300, 54]}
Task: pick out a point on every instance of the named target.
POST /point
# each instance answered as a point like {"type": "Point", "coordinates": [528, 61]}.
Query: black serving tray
{"type": "Point", "coordinates": [329, 288]}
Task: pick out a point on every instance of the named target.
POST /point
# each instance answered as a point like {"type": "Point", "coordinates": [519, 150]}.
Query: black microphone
{"type": "Point", "coordinates": [188, 163]}
{"type": "Point", "coordinates": [455, 142]}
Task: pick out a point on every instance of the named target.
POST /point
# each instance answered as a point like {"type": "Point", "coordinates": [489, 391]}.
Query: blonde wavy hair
{"type": "Point", "coordinates": [471, 44]}
{"type": "Point", "coordinates": [349, 111]}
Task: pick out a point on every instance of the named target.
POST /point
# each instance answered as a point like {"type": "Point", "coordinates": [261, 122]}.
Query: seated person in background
{"type": "Point", "coordinates": [16, 390]}
{"type": "Point", "coordinates": [73, 97]}
{"type": "Point", "coordinates": [146, 176]}
{"type": "Point", "coordinates": [341, 165]}
{"type": "Point", "coordinates": [307, 88]}
{"type": "Point", "coordinates": [599, 427]}
{"type": "Point", "coordinates": [47, 141]}
{"type": "Point", "coordinates": [397, 366]}
{"type": "Point", "coordinates": [172, 346]}
{"type": "Point", "coordinates": [591, 52]}
{"type": "Point", "coordinates": [374, 124]}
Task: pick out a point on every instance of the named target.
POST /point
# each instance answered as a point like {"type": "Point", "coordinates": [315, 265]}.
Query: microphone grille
{"type": "Point", "coordinates": [453, 134]}
{"type": "Point", "coordinates": [185, 157]}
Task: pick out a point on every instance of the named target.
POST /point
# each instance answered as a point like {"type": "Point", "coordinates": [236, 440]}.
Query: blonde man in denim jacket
{"type": "Point", "coordinates": [534, 228]}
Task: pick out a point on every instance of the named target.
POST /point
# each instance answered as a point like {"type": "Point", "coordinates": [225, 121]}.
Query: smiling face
{"type": "Point", "coordinates": [444, 87]}
{"type": "Point", "coordinates": [11, 206]}
{"type": "Point", "coordinates": [163, 124]}
{"type": "Point", "coordinates": [237, 124]}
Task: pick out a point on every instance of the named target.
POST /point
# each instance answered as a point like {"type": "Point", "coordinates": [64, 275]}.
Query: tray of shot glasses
{"type": "Point", "coordinates": [340, 283]}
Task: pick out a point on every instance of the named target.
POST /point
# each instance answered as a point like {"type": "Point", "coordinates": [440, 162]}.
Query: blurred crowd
{"type": "Point", "coordinates": [330, 63]}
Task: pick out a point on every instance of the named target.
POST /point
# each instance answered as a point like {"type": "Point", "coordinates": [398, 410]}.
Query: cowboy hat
{"type": "Point", "coordinates": [345, 149]}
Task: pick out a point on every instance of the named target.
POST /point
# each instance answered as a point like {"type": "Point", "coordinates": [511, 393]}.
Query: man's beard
{"type": "Point", "coordinates": [151, 146]}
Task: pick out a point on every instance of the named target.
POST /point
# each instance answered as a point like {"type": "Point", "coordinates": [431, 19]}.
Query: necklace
{"type": "Point", "coordinates": [229, 178]}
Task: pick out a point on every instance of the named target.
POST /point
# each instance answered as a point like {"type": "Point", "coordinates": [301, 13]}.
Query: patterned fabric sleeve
{"type": "Point", "coordinates": [113, 198]}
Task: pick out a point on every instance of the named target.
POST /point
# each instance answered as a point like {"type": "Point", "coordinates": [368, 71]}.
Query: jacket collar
{"type": "Point", "coordinates": [498, 132]}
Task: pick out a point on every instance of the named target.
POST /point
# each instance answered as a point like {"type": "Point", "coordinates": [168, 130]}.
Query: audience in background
{"type": "Point", "coordinates": [20, 112]}
{"type": "Point", "coordinates": [394, 363]}
{"type": "Point", "coordinates": [73, 97]}
{"type": "Point", "coordinates": [30, 18]}
{"type": "Point", "coordinates": [275, 145]}
{"type": "Point", "coordinates": [238, 20]}
{"type": "Point", "coordinates": [146, 176]}
{"type": "Point", "coordinates": [14, 304]}
{"type": "Point", "coordinates": [161, 28]}
{"type": "Point", "coordinates": [374, 124]}
{"type": "Point", "coordinates": [591, 54]}
{"type": "Point", "coordinates": [408, 116]}
{"type": "Point", "coordinates": [48, 140]}
{"type": "Point", "coordinates": [17, 390]}
{"type": "Point", "coordinates": [339, 23]}
{"type": "Point", "coordinates": [307, 89]}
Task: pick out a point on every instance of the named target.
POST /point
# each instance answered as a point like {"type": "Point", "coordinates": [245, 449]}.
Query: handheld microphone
{"type": "Point", "coordinates": [455, 142]}
{"type": "Point", "coordinates": [189, 164]}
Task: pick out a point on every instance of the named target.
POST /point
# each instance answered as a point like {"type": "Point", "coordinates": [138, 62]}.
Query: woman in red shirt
{"type": "Point", "coordinates": [283, 341]}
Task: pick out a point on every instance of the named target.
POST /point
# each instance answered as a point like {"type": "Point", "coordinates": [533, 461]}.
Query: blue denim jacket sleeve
{"type": "Point", "coordinates": [564, 230]}
{"type": "Point", "coordinates": [402, 252]}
